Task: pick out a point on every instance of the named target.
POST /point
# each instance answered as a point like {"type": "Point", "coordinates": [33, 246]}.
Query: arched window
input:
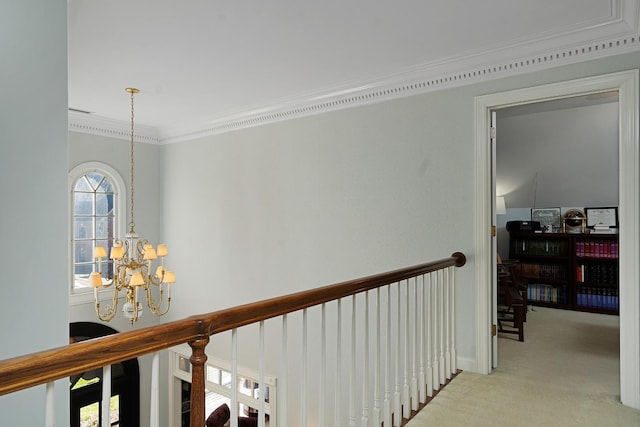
{"type": "Point", "coordinates": [96, 203]}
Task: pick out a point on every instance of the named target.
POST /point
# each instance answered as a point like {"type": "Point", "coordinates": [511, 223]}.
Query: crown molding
{"type": "Point", "coordinates": [616, 34]}
{"type": "Point", "coordinates": [103, 126]}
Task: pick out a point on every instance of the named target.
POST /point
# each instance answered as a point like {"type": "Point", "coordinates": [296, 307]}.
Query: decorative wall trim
{"type": "Point", "coordinates": [102, 126]}
{"type": "Point", "coordinates": [472, 69]}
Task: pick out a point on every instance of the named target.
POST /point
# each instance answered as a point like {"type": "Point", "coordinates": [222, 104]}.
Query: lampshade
{"type": "Point", "coordinates": [117, 252]}
{"type": "Point", "coordinates": [162, 250]}
{"type": "Point", "coordinates": [149, 253]}
{"type": "Point", "coordinates": [95, 279]}
{"type": "Point", "coordinates": [99, 252]}
{"type": "Point", "coordinates": [169, 277]}
{"type": "Point", "coordinates": [501, 207]}
{"type": "Point", "coordinates": [136, 279]}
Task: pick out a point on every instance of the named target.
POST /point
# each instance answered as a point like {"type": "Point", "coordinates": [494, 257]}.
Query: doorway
{"type": "Point", "coordinates": [626, 84]}
{"type": "Point", "coordinates": [556, 157]}
{"type": "Point", "coordinates": [86, 389]}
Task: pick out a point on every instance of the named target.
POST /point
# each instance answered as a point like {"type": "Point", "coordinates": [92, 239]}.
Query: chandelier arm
{"type": "Point", "coordinates": [111, 310]}
{"type": "Point", "coordinates": [155, 308]}
{"type": "Point", "coordinates": [155, 280]}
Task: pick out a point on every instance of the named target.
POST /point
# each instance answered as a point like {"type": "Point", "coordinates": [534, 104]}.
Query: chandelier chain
{"type": "Point", "coordinates": [132, 222]}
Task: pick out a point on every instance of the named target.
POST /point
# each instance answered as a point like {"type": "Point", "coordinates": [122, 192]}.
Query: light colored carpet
{"type": "Point", "coordinates": [566, 373]}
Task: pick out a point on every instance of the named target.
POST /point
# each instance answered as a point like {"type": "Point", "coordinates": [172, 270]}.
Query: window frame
{"type": "Point", "coordinates": [83, 296]}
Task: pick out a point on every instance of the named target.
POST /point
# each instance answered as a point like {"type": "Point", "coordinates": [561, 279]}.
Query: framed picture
{"type": "Point", "coordinates": [549, 218]}
{"type": "Point", "coordinates": [602, 217]}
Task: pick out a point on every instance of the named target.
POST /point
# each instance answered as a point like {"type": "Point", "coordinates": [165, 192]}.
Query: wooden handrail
{"type": "Point", "coordinates": [34, 369]}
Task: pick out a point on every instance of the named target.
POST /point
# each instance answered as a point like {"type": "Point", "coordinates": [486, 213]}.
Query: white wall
{"type": "Point", "coordinates": [295, 205]}
{"type": "Point", "coordinates": [33, 212]}
{"type": "Point", "coordinates": [558, 156]}
{"type": "Point", "coordinates": [280, 208]}
{"type": "Point", "coordinates": [289, 206]}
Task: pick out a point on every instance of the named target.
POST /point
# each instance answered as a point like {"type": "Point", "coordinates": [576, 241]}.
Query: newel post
{"type": "Point", "coordinates": [198, 360]}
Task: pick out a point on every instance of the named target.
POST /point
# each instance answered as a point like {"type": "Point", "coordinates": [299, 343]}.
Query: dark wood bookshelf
{"type": "Point", "coordinates": [569, 271]}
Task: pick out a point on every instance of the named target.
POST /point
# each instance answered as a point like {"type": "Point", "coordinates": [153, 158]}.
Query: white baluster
{"type": "Point", "coordinates": [303, 385]}
{"type": "Point", "coordinates": [263, 386]}
{"type": "Point", "coordinates": [323, 366]}
{"type": "Point", "coordinates": [50, 413]}
{"type": "Point", "coordinates": [377, 389]}
{"type": "Point", "coordinates": [338, 377]}
{"type": "Point", "coordinates": [364, 422]}
{"type": "Point", "coordinates": [422, 381]}
{"type": "Point", "coordinates": [428, 295]}
{"type": "Point", "coordinates": [454, 356]}
{"type": "Point", "coordinates": [442, 316]}
{"type": "Point", "coordinates": [234, 378]}
{"type": "Point", "coordinates": [448, 324]}
{"type": "Point", "coordinates": [397, 408]}
{"type": "Point", "coordinates": [154, 405]}
{"type": "Point", "coordinates": [406, 404]}
{"type": "Point", "coordinates": [387, 363]}
{"type": "Point", "coordinates": [106, 395]}
{"type": "Point", "coordinates": [282, 381]}
{"type": "Point", "coordinates": [436, 328]}
{"type": "Point", "coordinates": [414, 341]}
{"type": "Point", "coordinates": [352, 373]}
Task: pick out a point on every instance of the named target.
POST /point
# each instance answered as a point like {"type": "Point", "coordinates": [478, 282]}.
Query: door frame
{"type": "Point", "coordinates": [626, 83]}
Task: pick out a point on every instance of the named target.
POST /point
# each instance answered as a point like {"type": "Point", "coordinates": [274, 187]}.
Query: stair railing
{"type": "Point", "coordinates": [413, 351]}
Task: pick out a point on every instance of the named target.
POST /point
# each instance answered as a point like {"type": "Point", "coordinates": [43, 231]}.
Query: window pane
{"type": "Point", "coordinates": [94, 179]}
{"type": "Point", "coordinates": [226, 379]}
{"type": "Point", "coordinates": [213, 374]}
{"type": "Point", "coordinates": [245, 386]}
{"type": "Point", "coordinates": [115, 410]}
{"type": "Point", "coordinates": [82, 203]}
{"type": "Point", "coordinates": [104, 228]}
{"type": "Point", "coordinates": [83, 185]}
{"type": "Point", "coordinates": [83, 270]}
{"type": "Point", "coordinates": [90, 415]}
{"type": "Point", "coordinates": [82, 228]}
{"type": "Point", "coordinates": [84, 251]}
{"type": "Point", "coordinates": [105, 244]}
{"type": "Point", "coordinates": [104, 204]}
{"type": "Point", "coordinates": [105, 187]}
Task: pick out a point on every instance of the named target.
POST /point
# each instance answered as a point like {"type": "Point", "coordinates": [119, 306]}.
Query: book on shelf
{"type": "Point", "coordinates": [598, 248]}
{"type": "Point", "coordinates": [542, 292]}
{"type": "Point", "coordinates": [598, 297]}
{"type": "Point", "coordinates": [594, 272]}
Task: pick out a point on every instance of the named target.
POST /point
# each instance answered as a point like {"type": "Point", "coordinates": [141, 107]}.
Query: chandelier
{"type": "Point", "coordinates": [133, 271]}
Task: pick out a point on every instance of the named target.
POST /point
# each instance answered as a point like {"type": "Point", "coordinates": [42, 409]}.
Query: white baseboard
{"type": "Point", "coordinates": [467, 364]}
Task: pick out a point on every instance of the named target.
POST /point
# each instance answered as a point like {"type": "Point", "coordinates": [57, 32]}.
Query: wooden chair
{"type": "Point", "coordinates": [512, 306]}
{"type": "Point", "coordinates": [516, 281]}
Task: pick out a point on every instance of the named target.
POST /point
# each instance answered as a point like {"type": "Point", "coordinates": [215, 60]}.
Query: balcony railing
{"type": "Point", "coordinates": [399, 350]}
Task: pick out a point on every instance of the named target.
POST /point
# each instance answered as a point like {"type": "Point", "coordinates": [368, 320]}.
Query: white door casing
{"type": "Point", "coordinates": [626, 83]}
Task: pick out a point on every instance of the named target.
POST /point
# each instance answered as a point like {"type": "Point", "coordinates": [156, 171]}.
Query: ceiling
{"type": "Point", "coordinates": [202, 65]}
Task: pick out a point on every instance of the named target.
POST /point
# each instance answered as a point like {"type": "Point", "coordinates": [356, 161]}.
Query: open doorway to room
{"type": "Point", "coordinates": [86, 389]}
{"type": "Point", "coordinates": [625, 84]}
{"type": "Point", "coordinates": [557, 158]}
